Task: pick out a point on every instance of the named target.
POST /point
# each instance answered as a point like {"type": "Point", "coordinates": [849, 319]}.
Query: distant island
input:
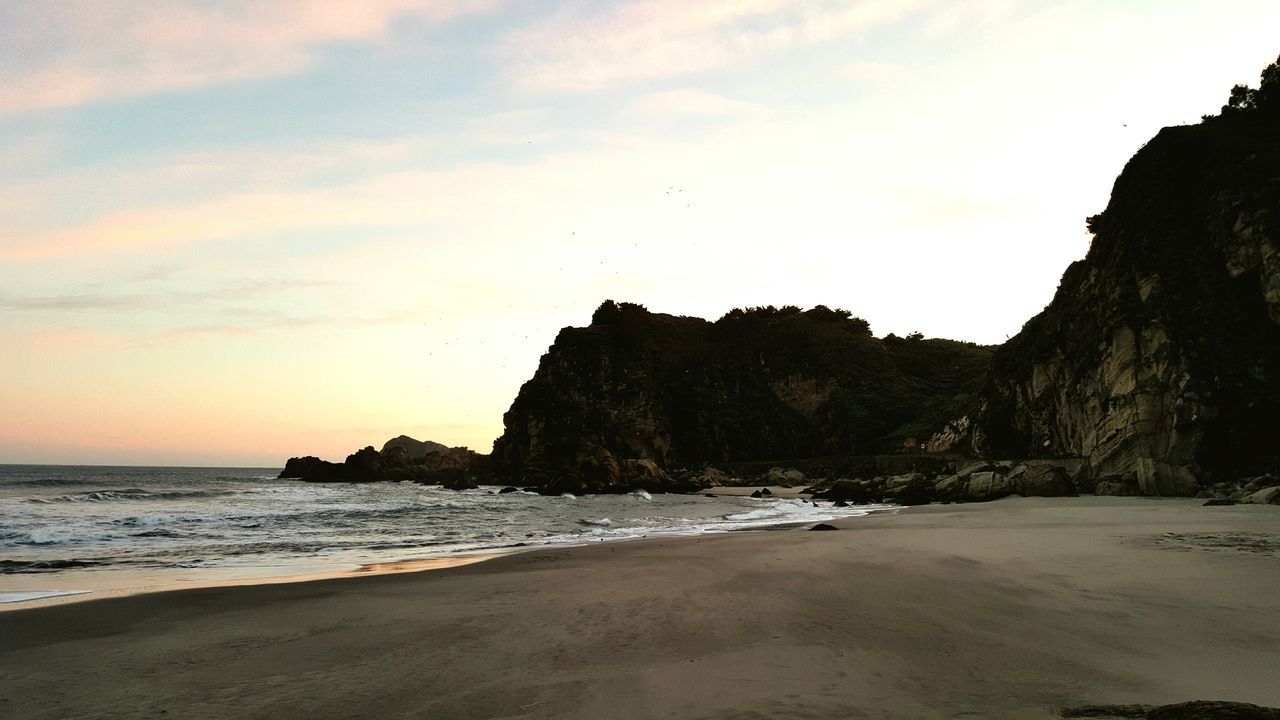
{"type": "Point", "coordinates": [1155, 370]}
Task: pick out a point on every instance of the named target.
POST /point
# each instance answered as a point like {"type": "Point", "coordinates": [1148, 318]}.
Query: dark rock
{"type": "Point", "coordinates": [402, 459]}
{"type": "Point", "coordinates": [1213, 710]}
{"type": "Point", "coordinates": [988, 485]}
{"type": "Point", "coordinates": [839, 503]}
{"type": "Point", "coordinates": [755, 385]}
{"type": "Point", "coordinates": [1195, 710]}
{"type": "Point", "coordinates": [757, 494]}
{"type": "Point", "coordinates": [1218, 502]}
{"type": "Point", "coordinates": [1108, 711]}
{"type": "Point", "coordinates": [1121, 485]}
{"type": "Point", "coordinates": [782, 477]}
{"type": "Point", "coordinates": [824, 526]}
{"type": "Point", "coordinates": [1160, 353]}
{"type": "Point", "coordinates": [845, 491]}
{"type": "Point", "coordinates": [460, 482]}
{"type": "Point", "coordinates": [1265, 496]}
{"type": "Point", "coordinates": [312, 469]}
{"type": "Point", "coordinates": [765, 492]}
{"type": "Point", "coordinates": [1041, 480]}
{"type": "Point", "coordinates": [913, 489]}
{"type": "Point", "coordinates": [508, 489]}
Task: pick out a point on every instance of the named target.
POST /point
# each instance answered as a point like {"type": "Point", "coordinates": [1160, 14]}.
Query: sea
{"type": "Point", "coordinates": [76, 530]}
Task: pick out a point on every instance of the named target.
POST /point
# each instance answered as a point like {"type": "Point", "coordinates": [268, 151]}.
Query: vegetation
{"type": "Point", "coordinates": [1264, 99]}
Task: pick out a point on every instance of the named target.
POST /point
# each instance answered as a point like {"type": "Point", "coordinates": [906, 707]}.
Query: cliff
{"type": "Point", "coordinates": [1158, 360]}
{"type": "Point", "coordinates": [755, 385]}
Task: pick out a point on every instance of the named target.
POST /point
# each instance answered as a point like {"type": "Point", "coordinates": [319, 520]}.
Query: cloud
{"type": "Point", "coordinates": [652, 39]}
{"type": "Point", "coordinates": [692, 102]}
{"type": "Point", "coordinates": [106, 300]}
{"type": "Point", "coordinates": [79, 51]}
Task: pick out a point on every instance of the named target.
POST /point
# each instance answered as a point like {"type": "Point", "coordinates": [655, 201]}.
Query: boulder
{"type": "Point", "coordinates": [599, 472]}
{"type": "Point", "coordinates": [951, 488]}
{"type": "Point", "coordinates": [1265, 496]}
{"type": "Point", "coordinates": [846, 491]}
{"type": "Point", "coordinates": [988, 485]}
{"type": "Point", "coordinates": [508, 489]}
{"type": "Point", "coordinates": [1041, 481]}
{"type": "Point", "coordinates": [1219, 501]}
{"type": "Point", "coordinates": [824, 526]}
{"type": "Point", "coordinates": [711, 477]}
{"type": "Point", "coordinates": [1120, 485]}
{"type": "Point", "coordinates": [644, 474]}
{"type": "Point", "coordinates": [913, 489]}
{"type": "Point", "coordinates": [782, 477]}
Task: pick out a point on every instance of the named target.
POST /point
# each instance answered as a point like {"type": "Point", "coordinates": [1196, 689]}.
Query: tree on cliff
{"type": "Point", "coordinates": [1266, 98]}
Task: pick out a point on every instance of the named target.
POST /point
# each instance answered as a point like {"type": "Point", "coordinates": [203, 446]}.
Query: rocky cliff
{"type": "Point", "coordinates": [755, 385]}
{"type": "Point", "coordinates": [1158, 360]}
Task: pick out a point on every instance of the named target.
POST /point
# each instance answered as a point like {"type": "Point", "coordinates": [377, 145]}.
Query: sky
{"type": "Point", "coordinates": [234, 232]}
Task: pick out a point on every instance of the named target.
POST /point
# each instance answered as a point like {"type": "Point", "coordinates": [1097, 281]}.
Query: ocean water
{"type": "Point", "coordinates": [72, 529]}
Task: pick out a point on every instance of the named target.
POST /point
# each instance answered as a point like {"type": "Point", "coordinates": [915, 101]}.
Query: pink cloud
{"type": "Point", "coordinates": [80, 51]}
{"type": "Point", "coordinates": [665, 38]}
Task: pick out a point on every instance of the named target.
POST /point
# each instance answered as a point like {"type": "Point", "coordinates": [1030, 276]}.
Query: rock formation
{"type": "Point", "coordinates": [402, 458]}
{"type": "Point", "coordinates": [754, 385]}
{"type": "Point", "coordinates": [1158, 360]}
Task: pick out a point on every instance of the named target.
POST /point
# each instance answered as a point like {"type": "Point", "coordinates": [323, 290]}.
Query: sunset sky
{"type": "Point", "coordinates": [234, 232]}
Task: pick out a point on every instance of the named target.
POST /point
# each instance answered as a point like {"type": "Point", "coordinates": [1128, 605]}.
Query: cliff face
{"type": "Point", "coordinates": [755, 385]}
{"type": "Point", "coordinates": [1159, 358]}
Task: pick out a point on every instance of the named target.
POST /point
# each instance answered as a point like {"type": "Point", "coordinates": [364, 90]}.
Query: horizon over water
{"type": "Point", "coordinates": [75, 529]}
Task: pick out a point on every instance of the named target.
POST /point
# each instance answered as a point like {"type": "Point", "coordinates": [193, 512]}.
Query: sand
{"type": "Point", "coordinates": [1009, 609]}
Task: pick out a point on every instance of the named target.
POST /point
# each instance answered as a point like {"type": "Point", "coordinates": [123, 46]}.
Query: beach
{"type": "Point", "coordinates": [1008, 609]}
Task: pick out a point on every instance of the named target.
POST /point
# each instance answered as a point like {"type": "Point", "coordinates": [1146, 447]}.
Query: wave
{"type": "Point", "coordinates": [30, 566]}
{"type": "Point", "coordinates": [602, 522]}
{"type": "Point", "coordinates": [133, 495]}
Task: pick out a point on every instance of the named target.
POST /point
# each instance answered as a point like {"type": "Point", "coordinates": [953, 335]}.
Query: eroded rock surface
{"type": "Point", "coordinates": [1158, 360]}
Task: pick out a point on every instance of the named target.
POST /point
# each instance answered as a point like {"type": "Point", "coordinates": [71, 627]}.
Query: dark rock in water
{"type": "Point", "coordinates": [754, 385]}
{"type": "Point", "coordinates": [1160, 353]}
{"type": "Point", "coordinates": [402, 459]}
{"type": "Point", "coordinates": [313, 469]}
{"type": "Point", "coordinates": [839, 503]}
{"type": "Point", "coordinates": [708, 495]}
{"type": "Point", "coordinates": [765, 492]}
{"type": "Point", "coordinates": [508, 489]}
{"type": "Point", "coordinates": [757, 494]}
{"type": "Point", "coordinates": [1195, 710]}
{"type": "Point", "coordinates": [1218, 502]}
{"type": "Point", "coordinates": [824, 526]}
{"type": "Point", "coordinates": [460, 482]}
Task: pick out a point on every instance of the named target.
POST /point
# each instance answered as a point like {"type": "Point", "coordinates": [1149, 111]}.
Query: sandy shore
{"type": "Point", "coordinates": [1010, 609]}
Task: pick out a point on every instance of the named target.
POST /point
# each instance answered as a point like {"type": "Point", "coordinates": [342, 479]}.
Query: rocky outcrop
{"type": "Point", "coordinates": [754, 385]}
{"type": "Point", "coordinates": [1158, 361]}
{"type": "Point", "coordinates": [401, 459]}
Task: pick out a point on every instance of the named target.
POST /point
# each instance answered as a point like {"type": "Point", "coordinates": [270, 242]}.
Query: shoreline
{"type": "Point", "coordinates": [155, 582]}
{"type": "Point", "coordinates": [1014, 608]}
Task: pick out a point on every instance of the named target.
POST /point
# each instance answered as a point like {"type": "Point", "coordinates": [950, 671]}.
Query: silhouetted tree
{"type": "Point", "coordinates": [1265, 98]}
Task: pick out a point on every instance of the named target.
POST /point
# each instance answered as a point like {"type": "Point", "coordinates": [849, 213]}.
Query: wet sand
{"type": "Point", "coordinates": [1009, 609]}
